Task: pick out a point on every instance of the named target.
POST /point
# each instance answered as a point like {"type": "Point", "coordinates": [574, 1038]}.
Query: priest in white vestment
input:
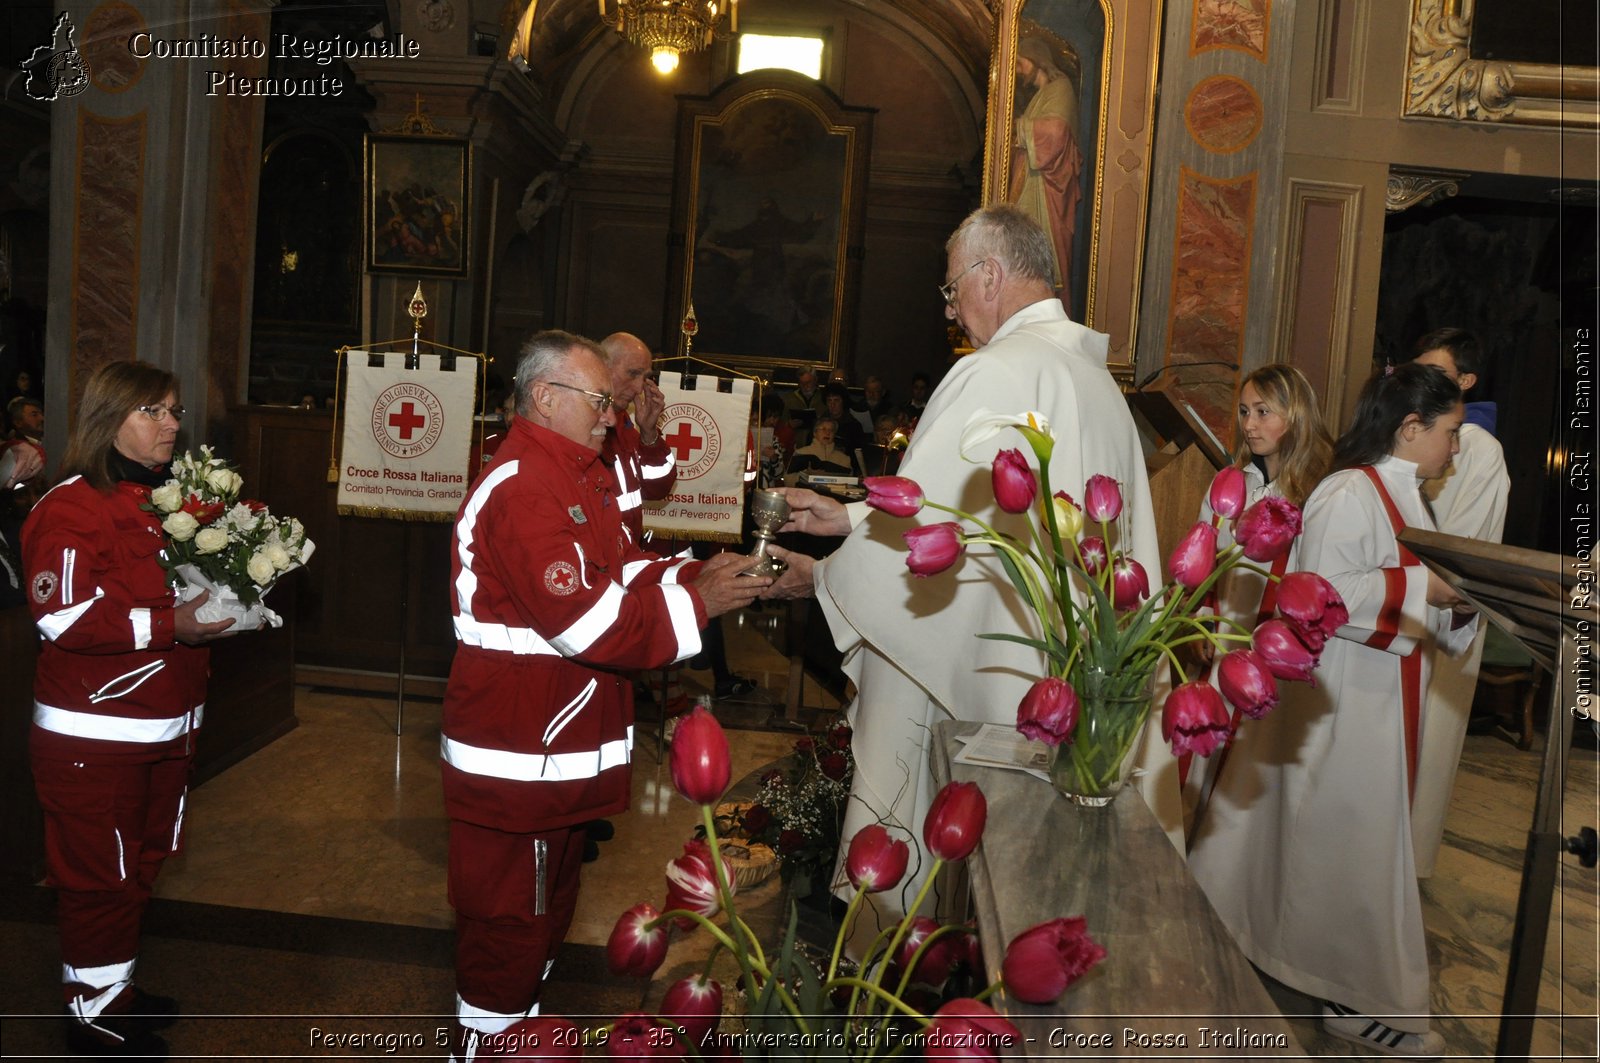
{"type": "Point", "coordinates": [911, 645]}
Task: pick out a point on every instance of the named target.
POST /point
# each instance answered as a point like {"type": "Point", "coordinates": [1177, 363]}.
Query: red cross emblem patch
{"type": "Point", "coordinates": [561, 578]}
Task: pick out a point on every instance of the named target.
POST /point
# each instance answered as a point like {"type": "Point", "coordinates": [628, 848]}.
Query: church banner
{"type": "Point", "coordinates": [709, 433]}
{"type": "Point", "coordinates": [407, 433]}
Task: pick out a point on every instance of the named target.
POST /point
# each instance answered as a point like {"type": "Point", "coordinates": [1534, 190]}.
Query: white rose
{"type": "Point", "coordinates": [224, 482]}
{"type": "Point", "coordinates": [210, 540]}
{"type": "Point", "coordinates": [181, 526]}
{"type": "Point", "coordinates": [261, 568]}
{"type": "Point", "coordinates": [167, 498]}
{"type": "Point", "coordinates": [276, 554]}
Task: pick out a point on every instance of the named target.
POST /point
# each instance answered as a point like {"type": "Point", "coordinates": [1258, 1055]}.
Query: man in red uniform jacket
{"type": "Point", "coordinates": [553, 606]}
{"type": "Point", "coordinates": [642, 460]}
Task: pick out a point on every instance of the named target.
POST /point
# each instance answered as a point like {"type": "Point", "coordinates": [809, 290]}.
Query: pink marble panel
{"type": "Point", "coordinates": [1211, 268]}
{"type": "Point", "coordinates": [105, 269]}
{"type": "Point", "coordinates": [1223, 114]}
{"type": "Point", "coordinates": [1237, 24]}
{"type": "Point", "coordinates": [112, 67]}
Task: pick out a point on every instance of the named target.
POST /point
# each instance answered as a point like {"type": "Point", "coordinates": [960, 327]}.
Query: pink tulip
{"type": "Point", "coordinates": [875, 862]}
{"type": "Point", "coordinates": [1041, 962]}
{"type": "Point", "coordinates": [1102, 499]}
{"type": "Point", "coordinates": [1312, 608]}
{"type": "Point", "coordinates": [695, 1004]}
{"type": "Point", "coordinates": [966, 1029]}
{"type": "Point", "coordinates": [1247, 682]}
{"type": "Point", "coordinates": [1227, 492]}
{"type": "Point", "coordinates": [638, 1036]}
{"type": "Point", "coordinates": [1093, 549]}
{"type": "Point", "coordinates": [1286, 655]}
{"type": "Point", "coordinates": [692, 882]}
{"type": "Point", "coordinates": [940, 958]}
{"type": "Point", "coordinates": [1267, 528]}
{"type": "Point", "coordinates": [895, 495]}
{"type": "Point", "coordinates": [1129, 583]}
{"type": "Point", "coordinates": [933, 548]}
{"type": "Point", "coordinates": [1014, 483]}
{"type": "Point", "coordinates": [955, 820]}
{"type": "Point", "coordinates": [1194, 720]}
{"type": "Point", "coordinates": [635, 948]}
{"type": "Point", "coordinates": [1196, 556]}
{"type": "Point", "coordinates": [700, 765]}
{"type": "Point", "coordinates": [1049, 711]}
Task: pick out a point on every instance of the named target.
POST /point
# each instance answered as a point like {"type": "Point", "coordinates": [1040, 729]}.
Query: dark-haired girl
{"type": "Point", "coordinates": [1310, 859]}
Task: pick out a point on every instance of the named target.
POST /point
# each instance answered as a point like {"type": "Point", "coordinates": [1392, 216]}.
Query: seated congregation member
{"type": "Point", "coordinates": [1306, 849]}
{"type": "Point", "coordinates": [911, 645]}
{"type": "Point", "coordinates": [849, 434]}
{"type": "Point", "coordinates": [553, 608]}
{"type": "Point", "coordinates": [118, 695]}
{"type": "Point", "coordinates": [822, 456]}
{"type": "Point", "coordinates": [1468, 500]}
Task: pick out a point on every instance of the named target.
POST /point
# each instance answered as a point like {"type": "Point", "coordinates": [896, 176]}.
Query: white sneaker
{"type": "Point", "coordinates": [1352, 1026]}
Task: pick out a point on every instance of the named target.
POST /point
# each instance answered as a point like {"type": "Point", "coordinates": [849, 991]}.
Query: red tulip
{"type": "Point", "coordinates": [692, 882]}
{"type": "Point", "coordinates": [635, 948]}
{"type": "Point", "coordinates": [1194, 719]}
{"type": "Point", "coordinates": [1041, 962]}
{"type": "Point", "coordinates": [955, 820]}
{"type": "Point", "coordinates": [966, 1029]}
{"type": "Point", "coordinates": [895, 495]}
{"type": "Point", "coordinates": [1129, 583]}
{"type": "Point", "coordinates": [933, 548]}
{"type": "Point", "coordinates": [636, 1036]}
{"type": "Point", "coordinates": [1312, 607]}
{"type": "Point", "coordinates": [1267, 528]}
{"type": "Point", "coordinates": [1014, 483]}
{"type": "Point", "coordinates": [938, 960]}
{"type": "Point", "coordinates": [1049, 711]}
{"type": "Point", "coordinates": [1093, 549]}
{"type": "Point", "coordinates": [700, 765]}
{"type": "Point", "coordinates": [695, 1004]}
{"type": "Point", "coordinates": [1102, 499]}
{"type": "Point", "coordinates": [1285, 654]}
{"type": "Point", "coordinates": [1246, 681]}
{"type": "Point", "coordinates": [875, 862]}
{"type": "Point", "coordinates": [1196, 556]}
{"type": "Point", "coordinates": [1227, 492]}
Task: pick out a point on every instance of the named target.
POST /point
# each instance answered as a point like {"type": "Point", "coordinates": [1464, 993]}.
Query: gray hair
{"type": "Point", "coordinates": [542, 354]}
{"type": "Point", "coordinates": [1009, 234]}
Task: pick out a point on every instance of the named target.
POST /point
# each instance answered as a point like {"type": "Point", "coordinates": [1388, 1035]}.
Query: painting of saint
{"type": "Point", "coordinates": [1054, 132]}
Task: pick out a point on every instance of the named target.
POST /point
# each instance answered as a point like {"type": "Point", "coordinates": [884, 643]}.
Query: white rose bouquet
{"type": "Point", "coordinates": [216, 541]}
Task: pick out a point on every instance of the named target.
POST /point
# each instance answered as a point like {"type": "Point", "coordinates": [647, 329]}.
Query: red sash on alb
{"type": "Point", "coordinates": [1388, 626]}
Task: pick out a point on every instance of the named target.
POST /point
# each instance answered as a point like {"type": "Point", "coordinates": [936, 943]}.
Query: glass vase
{"type": "Point", "coordinates": [1092, 768]}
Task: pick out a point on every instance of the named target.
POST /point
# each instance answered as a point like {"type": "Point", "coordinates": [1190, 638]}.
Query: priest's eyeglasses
{"type": "Point", "coordinates": [948, 288]}
{"type": "Point", "coordinates": [159, 410]}
{"type": "Point", "coordinates": [598, 400]}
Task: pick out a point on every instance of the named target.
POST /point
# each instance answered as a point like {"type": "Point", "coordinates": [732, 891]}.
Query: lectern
{"type": "Point", "coordinates": [1537, 599]}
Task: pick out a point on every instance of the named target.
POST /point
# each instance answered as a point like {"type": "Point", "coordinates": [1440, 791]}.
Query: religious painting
{"type": "Point", "coordinates": [416, 204]}
{"type": "Point", "coordinates": [770, 198]}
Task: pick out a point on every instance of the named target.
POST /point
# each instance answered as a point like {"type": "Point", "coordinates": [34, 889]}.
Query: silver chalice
{"type": "Point", "coordinates": [769, 511]}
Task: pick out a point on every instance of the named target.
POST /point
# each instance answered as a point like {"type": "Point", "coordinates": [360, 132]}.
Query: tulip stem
{"type": "Point", "coordinates": [904, 927]}
{"type": "Point", "coordinates": [838, 943]}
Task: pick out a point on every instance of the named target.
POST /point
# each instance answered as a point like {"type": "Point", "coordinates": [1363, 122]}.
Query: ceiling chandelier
{"type": "Point", "coordinates": [667, 27]}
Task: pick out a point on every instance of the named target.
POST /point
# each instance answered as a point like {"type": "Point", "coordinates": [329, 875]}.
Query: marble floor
{"type": "Point", "coordinates": [313, 897]}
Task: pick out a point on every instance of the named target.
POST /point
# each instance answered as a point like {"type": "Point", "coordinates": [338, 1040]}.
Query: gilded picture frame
{"type": "Point", "coordinates": [1114, 45]}
{"type": "Point", "coordinates": [769, 205]}
{"type": "Point", "coordinates": [416, 204]}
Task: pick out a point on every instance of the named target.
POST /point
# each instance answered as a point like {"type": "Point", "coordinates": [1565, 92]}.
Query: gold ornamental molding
{"type": "Point", "coordinates": [1419, 188]}
{"type": "Point", "coordinates": [1443, 80]}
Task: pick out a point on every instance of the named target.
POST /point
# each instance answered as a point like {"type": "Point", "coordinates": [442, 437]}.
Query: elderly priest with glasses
{"type": "Point", "coordinates": [553, 608]}
{"type": "Point", "coordinates": [911, 645]}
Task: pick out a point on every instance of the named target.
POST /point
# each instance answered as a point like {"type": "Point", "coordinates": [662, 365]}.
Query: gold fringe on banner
{"type": "Point", "coordinates": [393, 514]}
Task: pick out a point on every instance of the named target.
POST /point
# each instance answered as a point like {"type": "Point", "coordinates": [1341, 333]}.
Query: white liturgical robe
{"type": "Point", "coordinates": [911, 645]}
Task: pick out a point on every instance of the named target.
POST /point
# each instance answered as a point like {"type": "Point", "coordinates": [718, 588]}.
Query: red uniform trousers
{"type": "Point", "coordinates": [507, 928]}
{"type": "Point", "coordinates": [113, 813]}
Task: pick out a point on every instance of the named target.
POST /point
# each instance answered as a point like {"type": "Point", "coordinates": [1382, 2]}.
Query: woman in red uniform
{"type": "Point", "coordinates": [118, 697]}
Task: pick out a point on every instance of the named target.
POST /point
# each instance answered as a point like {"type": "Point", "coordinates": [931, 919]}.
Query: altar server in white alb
{"type": "Point", "coordinates": [553, 607]}
{"type": "Point", "coordinates": [911, 645]}
{"type": "Point", "coordinates": [1468, 500]}
{"type": "Point", "coordinates": [1306, 848]}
